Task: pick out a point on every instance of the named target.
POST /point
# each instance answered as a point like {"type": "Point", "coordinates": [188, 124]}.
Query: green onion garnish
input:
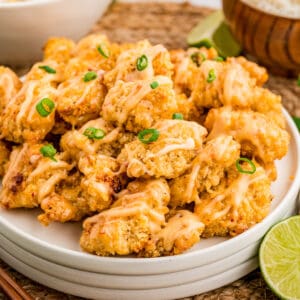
{"type": "Point", "coordinates": [45, 107]}
{"type": "Point", "coordinates": [48, 69]}
{"type": "Point", "coordinates": [219, 58]}
{"type": "Point", "coordinates": [298, 80]}
{"type": "Point", "coordinates": [241, 170]}
{"type": "Point", "coordinates": [297, 121]}
{"type": "Point", "coordinates": [48, 151]}
{"type": "Point", "coordinates": [94, 133]}
{"type": "Point", "coordinates": [177, 116]}
{"type": "Point", "coordinates": [211, 76]}
{"type": "Point", "coordinates": [195, 58]}
{"type": "Point", "coordinates": [102, 49]}
{"type": "Point", "coordinates": [148, 135]}
{"type": "Point", "coordinates": [142, 63]}
{"type": "Point", "coordinates": [89, 76]}
{"type": "Point", "coordinates": [154, 85]}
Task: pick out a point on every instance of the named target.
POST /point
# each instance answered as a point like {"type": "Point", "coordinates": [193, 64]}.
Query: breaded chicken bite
{"type": "Point", "coordinates": [206, 171]}
{"type": "Point", "coordinates": [102, 179]}
{"type": "Point", "coordinates": [126, 227]}
{"type": "Point", "coordinates": [65, 203]}
{"type": "Point", "coordinates": [169, 156]}
{"type": "Point", "coordinates": [59, 49]}
{"type": "Point", "coordinates": [181, 232]}
{"type": "Point", "coordinates": [260, 137]}
{"type": "Point", "coordinates": [80, 98]}
{"type": "Point", "coordinates": [4, 157]}
{"type": "Point", "coordinates": [30, 115]}
{"type": "Point", "coordinates": [10, 84]}
{"type": "Point", "coordinates": [256, 72]}
{"type": "Point", "coordinates": [31, 177]}
{"type": "Point", "coordinates": [238, 203]}
{"type": "Point", "coordinates": [186, 64]}
{"type": "Point", "coordinates": [142, 62]}
{"type": "Point", "coordinates": [138, 105]}
{"type": "Point", "coordinates": [47, 70]}
{"type": "Point", "coordinates": [95, 136]}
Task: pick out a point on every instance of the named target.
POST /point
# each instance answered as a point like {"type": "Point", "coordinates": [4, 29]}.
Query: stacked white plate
{"type": "Point", "coordinates": [52, 256]}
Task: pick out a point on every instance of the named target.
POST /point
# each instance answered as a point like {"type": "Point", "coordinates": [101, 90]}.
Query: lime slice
{"type": "Point", "coordinates": [213, 32]}
{"type": "Point", "coordinates": [205, 29]}
{"type": "Point", "coordinates": [297, 122]}
{"type": "Point", "coordinates": [279, 258]}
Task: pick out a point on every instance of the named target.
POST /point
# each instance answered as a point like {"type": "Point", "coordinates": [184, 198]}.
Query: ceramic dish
{"type": "Point", "coordinates": [173, 292]}
{"type": "Point", "coordinates": [58, 243]}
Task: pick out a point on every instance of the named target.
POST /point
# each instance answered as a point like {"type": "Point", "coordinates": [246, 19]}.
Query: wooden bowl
{"type": "Point", "coordinates": [273, 40]}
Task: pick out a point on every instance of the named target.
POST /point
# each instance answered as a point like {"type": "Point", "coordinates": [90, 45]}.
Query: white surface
{"type": "Point", "coordinates": [25, 27]}
{"type": "Point", "coordinates": [173, 292]}
{"type": "Point", "coordinates": [59, 242]}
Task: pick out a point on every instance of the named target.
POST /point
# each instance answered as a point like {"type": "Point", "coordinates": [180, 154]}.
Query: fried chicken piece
{"type": "Point", "coordinates": [4, 157]}
{"type": "Point", "coordinates": [10, 84]}
{"type": "Point", "coordinates": [65, 203]}
{"type": "Point", "coordinates": [30, 177]}
{"type": "Point", "coordinates": [260, 137]}
{"type": "Point", "coordinates": [235, 205]}
{"type": "Point", "coordinates": [206, 171]}
{"type": "Point", "coordinates": [80, 101]}
{"type": "Point", "coordinates": [255, 71]}
{"type": "Point", "coordinates": [181, 232]}
{"type": "Point", "coordinates": [126, 227]}
{"type": "Point", "coordinates": [169, 156]}
{"type": "Point", "coordinates": [21, 120]}
{"type": "Point", "coordinates": [186, 64]}
{"type": "Point", "coordinates": [156, 61]}
{"type": "Point", "coordinates": [58, 49]}
{"type": "Point", "coordinates": [102, 179]}
{"type": "Point", "coordinates": [41, 71]}
{"type": "Point", "coordinates": [138, 106]}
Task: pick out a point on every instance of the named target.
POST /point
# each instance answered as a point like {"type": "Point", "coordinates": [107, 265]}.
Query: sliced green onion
{"type": "Point", "coordinates": [48, 151]}
{"type": "Point", "coordinates": [48, 69]}
{"type": "Point", "coordinates": [142, 63]}
{"type": "Point", "coordinates": [211, 76]}
{"type": "Point", "coordinates": [94, 133]}
{"type": "Point", "coordinates": [45, 107]}
{"type": "Point", "coordinates": [297, 122]}
{"type": "Point", "coordinates": [219, 58]}
{"type": "Point", "coordinates": [177, 116]}
{"type": "Point", "coordinates": [195, 58]}
{"type": "Point", "coordinates": [298, 80]}
{"type": "Point", "coordinates": [250, 162]}
{"type": "Point", "coordinates": [148, 135]}
{"type": "Point", "coordinates": [89, 76]}
{"type": "Point", "coordinates": [154, 85]}
{"type": "Point", "coordinates": [103, 50]}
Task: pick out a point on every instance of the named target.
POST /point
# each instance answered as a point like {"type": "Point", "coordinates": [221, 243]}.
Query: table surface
{"type": "Point", "coordinates": [123, 23]}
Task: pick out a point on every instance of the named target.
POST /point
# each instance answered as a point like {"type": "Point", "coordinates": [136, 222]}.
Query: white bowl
{"type": "Point", "coordinates": [58, 243]}
{"type": "Point", "coordinates": [25, 26]}
{"type": "Point", "coordinates": [171, 292]}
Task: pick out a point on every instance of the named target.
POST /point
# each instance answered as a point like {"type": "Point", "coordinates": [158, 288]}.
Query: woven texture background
{"type": "Point", "coordinates": [169, 24]}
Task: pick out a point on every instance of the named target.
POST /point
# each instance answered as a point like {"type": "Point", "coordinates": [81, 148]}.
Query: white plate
{"type": "Point", "coordinates": [173, 292]}
{"type": "Point", "coordinates": [58, 243]}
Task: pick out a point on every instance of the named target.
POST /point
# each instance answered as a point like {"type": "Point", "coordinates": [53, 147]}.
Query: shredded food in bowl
{"type": "Point", "coordinates": [151, 149]}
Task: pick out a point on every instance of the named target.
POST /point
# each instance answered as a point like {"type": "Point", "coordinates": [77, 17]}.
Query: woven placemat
{"type": "Point", "coordinates": [169, 24]}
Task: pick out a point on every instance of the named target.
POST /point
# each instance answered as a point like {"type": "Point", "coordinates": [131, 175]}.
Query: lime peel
{"type": "Point", "coordinates": [279, 258]}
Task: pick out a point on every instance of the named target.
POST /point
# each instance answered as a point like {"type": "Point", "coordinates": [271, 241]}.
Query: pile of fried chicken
{"type": "Point", "coordinates": [152, 149]}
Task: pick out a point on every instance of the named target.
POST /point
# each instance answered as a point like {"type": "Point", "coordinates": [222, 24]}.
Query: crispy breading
{"type": "Point", "coordinates": [169, 156]}
{"type": "Point", "coordinates": [4, 157]}
{"type": "Point", "coordinates": [126, 227]}
{"type": "Point", "coordinates": [238, 203]}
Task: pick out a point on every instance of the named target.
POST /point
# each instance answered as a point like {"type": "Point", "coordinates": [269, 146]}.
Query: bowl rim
{"type": "Point", "coordinates": [282, 16]}
{"type": "Point", "coordinates": [90, 262]}
{"type": "Point", "coordinates": [26, 3]}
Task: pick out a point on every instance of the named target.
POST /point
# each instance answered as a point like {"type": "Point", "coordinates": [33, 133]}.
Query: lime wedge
{"type": "Point", "coordinates": [297, 122]}
{"type": "Point", "coordinates": [225, 42]}
{"type": "Point", "coordinates": [213, 32]}
{"type": "Point", "coordinates": [279, 258]}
